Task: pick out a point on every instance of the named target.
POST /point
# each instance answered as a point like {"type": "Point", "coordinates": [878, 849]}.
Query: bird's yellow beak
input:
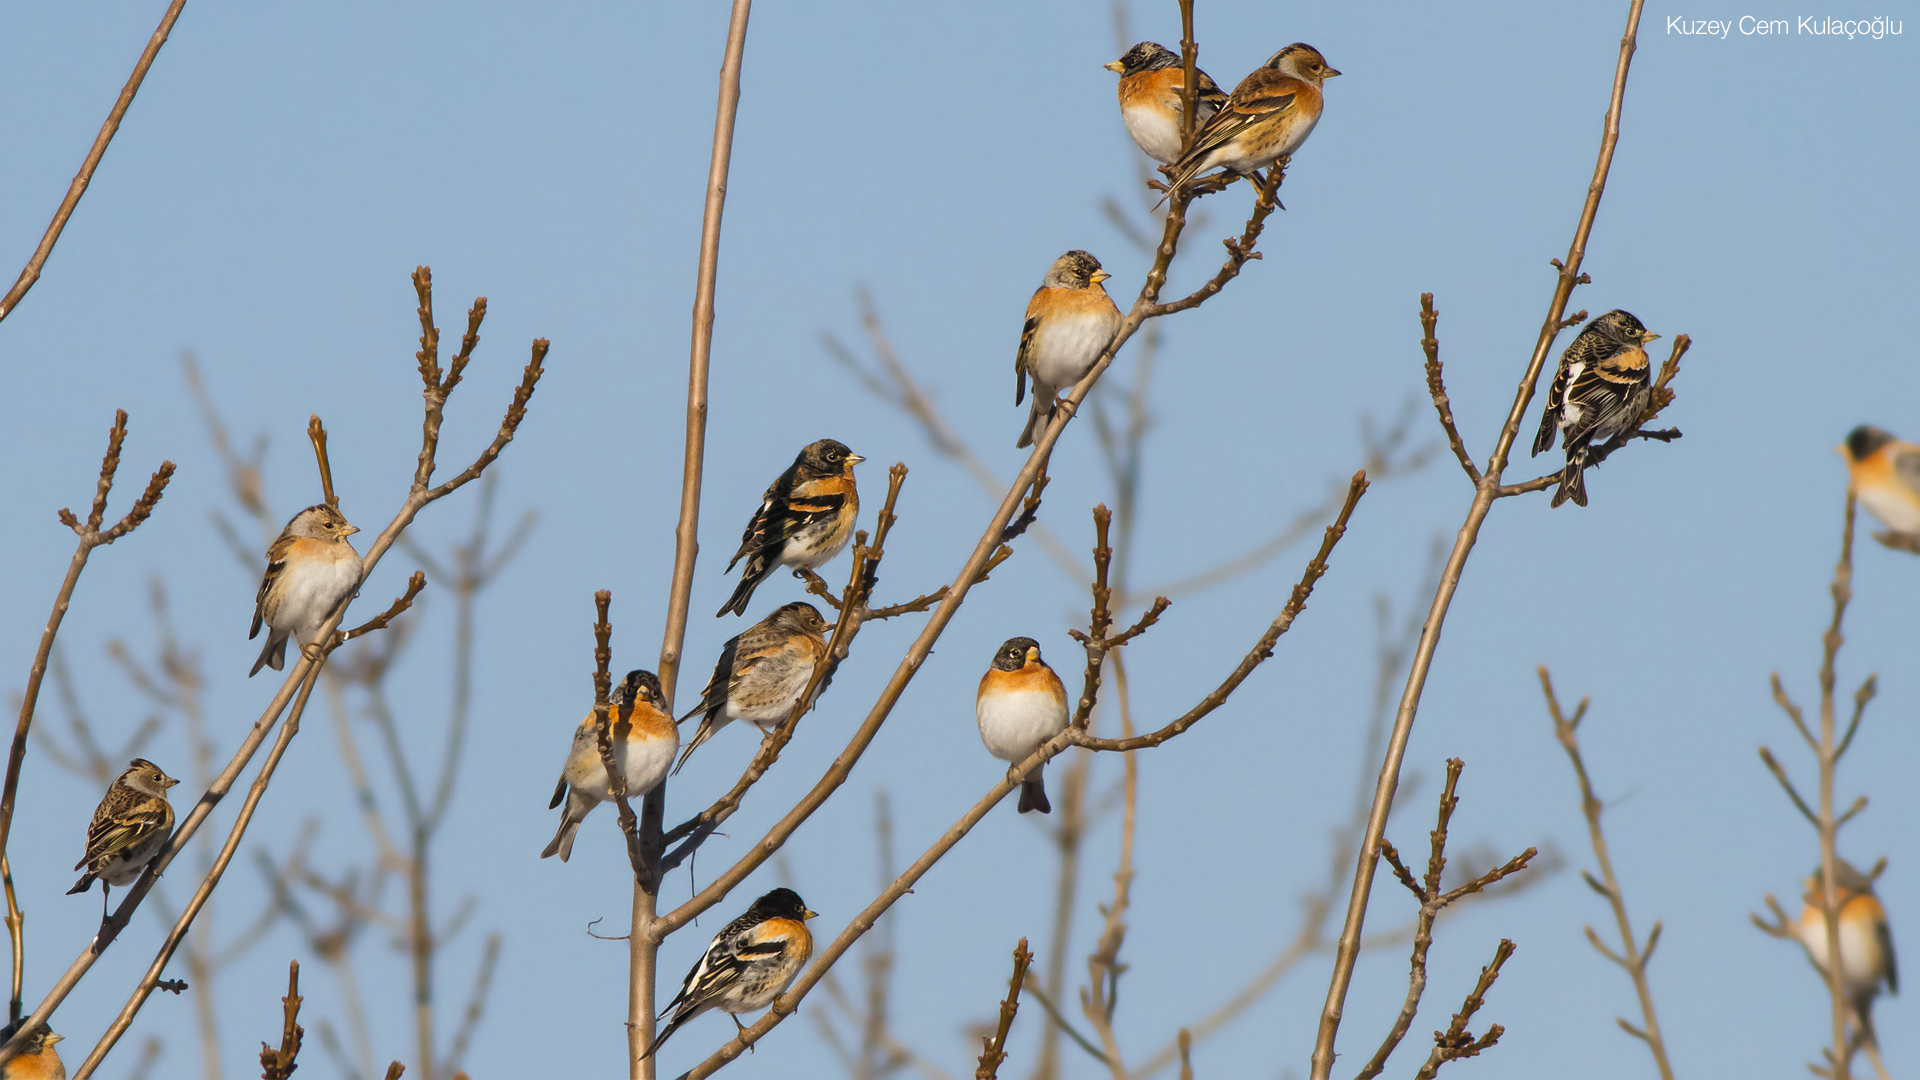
{"type": "Point", "coordinates": [808, 913]}
{"type": "Point", "coordinates": [1331, 72]}
{"type": "Point", "coordinates": [1116, 67]}
{"type": "Point", "coordinates": [53, 1038]}
{"type": "Point", "coordinates": [1650, 337]}
{"type": "Point", "coordinates": [350, 530]}
{"type": "Point", "coordinates": [170, 782]}
{"type": "Point", "coordinates": [1098, 277]}
{"type": "Point", "coordinates": [1033, 656]}
{"type": "Point", "coordinates": [854, 459]}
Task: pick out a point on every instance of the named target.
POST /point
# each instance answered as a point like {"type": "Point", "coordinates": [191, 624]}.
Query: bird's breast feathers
{"type": "Point", "coordinates": [1075, 325]}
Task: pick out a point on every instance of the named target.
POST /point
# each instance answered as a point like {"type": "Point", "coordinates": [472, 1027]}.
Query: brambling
{"type": "Point", "coordinates": [1604, 384]}
{"type": "Point", "coordinates": [310, 570]}
{"type": "Point", "coordinates": [1151, 82]}
{"type": "Point", "coordinates": [747, 965]}
{"type": "Point", "coordinates": [804, 519]}
{"type": "Point", "coordinates": [1069, 322]}
{"type": "Point", "coordinates": [1884, 474]}
{"type": "Point", "coordinates": [1866, 942]}
{"type": "Point", "coordinates": [644, 741]}
{"type": "Point", "coordinates": [37, 1059]}
{"type": "Point", "coordinates": [129, 827]}
{"type": "Point", "coordinates": [1264, 120]}
{"type": "Point", "coordinates": [1021, 704]}
{"type": "Point", "coordinates": [761, 672]}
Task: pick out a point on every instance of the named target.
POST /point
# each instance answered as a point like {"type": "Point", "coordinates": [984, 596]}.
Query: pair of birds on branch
{"type": "Point", "coordinates": [1071, 319]}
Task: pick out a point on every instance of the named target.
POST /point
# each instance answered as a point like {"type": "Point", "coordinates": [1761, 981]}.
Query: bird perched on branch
{"type": "Point", "coordinates": [129, 827]}
{"type": "Point", "coordinates": [761, 673]}
{"type": "Point", "coordinates": [1152, 81]}
{"type": "Point", "coordinates": [804, 519]}
{"type": "Point", "coordinates": [1884, 474]}
{"type": "Point", "coordinates": [1866, 942]}
{"type": "Point", "coordinates": [37, 1060]}
{"type": "Point", "coordinates": [1070, 320]}
{"type": "Point", "coordinates": [1264, 120]}
{"type": "Point", "coordinates": [1021, 704]}
{"type": "Point", "coordinates": [310, 570]}
{"type": "Point", "coordinates": [644, 740]}
{"type": "Point", "coordinates": [1603, 387]}
{"type": "Point", "coordinates": [747, 965]}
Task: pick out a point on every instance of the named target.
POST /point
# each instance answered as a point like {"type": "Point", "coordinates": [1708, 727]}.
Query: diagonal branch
{"type": "Point", "coordinates": [31, 273]}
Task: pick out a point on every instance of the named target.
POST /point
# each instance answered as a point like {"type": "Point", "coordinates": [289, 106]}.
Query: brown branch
{"type": "Point", "coordinates": [610, 727]}
{"type": "Point", "coordinates": [1239, 251]}
{"type": "Point", "coordinates": [279, 1064]}
{"type": "Point", "coordinates": [399, 607]}
{"type": "Point", "coordinates": [1633, 959]}
{"type": "Point", "coordinates": [1437, 388]}
{"type": "Point", "coordinates": [643, 939]}
{"type": "Point", "coordinates": [1780, 774]}
{"type": "Point", "coordinates": [1261, 650]}
{"type": "Point", "coordinates": [1457, 1042]}
{"type": "Point", "coordinates": [1485, 494]}
{"type": "Point", "coordinates": [317, 434]}
{"type": "Point", "coordinates": [1432, 902]}
{"type": "Point", "coordinates": [1102, 996]}
{"type": "Point", "coordinates": [994, 1050]}
{"type": "Point", "coordinates": [31, 273]}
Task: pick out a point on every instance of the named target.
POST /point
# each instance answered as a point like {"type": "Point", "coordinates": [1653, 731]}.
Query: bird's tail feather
{"type": "Point", "coordinates": [273, 654]}
{"type": "Point", "coordinates": [1573, 482]}
{"type": "Point", "coordinates": [1033, 795]}
{"type": "Point", "coordinates": [1038, 418]}
{"type": "Point", "coordinates": [562, 842]}
{"type": "Point", "coordinates": [707, 728]}
{"type": "Point", "coordinates": [750, 579]}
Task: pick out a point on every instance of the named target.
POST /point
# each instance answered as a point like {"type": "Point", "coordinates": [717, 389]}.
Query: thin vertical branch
{"type": "Point", "coordinates": [1485, 492]}
{"type": "Point", "coordinates": [1631, 956]}
{"type": "Point", "coordinates": [995, 1049]}
{"type": "Point", "coordinates": [1828, 827]}
{"type": "Point", "coordinates": [84, 177]}
{"type": "Point", "coordinates": [643, 945]}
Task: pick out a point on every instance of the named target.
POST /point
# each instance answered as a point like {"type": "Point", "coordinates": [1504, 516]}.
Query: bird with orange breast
{"type": "Point", "coordinates": [1070, 321]}
{"type": "Point", "coordinates": [1884, 474]}
{"type": "Point", "coordinates": [1866, 942]}
{"type": "Point", "coordinates": [1020, 705]}
{"type": "Point", "coordinates": [644, 740]}
{"type": "Point", "coordinates": [1153, 83]}
{"type": "Point", "coordinates": [1266, 118]}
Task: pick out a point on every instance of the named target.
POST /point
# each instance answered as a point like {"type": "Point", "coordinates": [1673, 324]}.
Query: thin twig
{"type": "Point", "coordinates": [1634, 958]}
{"type": "Point", "coordinates": [995, 1049]}
{"type": "Point", "coordinates": [1457, 1042]}
{"type": "Point", "coordinates": [644, 938]}
{"type": "Point", "coordinates": [31, 273]}
{"type": "Point", "coordinates": [1437, 388]}
{"type": "Point", "coordinates": [278, 1064]}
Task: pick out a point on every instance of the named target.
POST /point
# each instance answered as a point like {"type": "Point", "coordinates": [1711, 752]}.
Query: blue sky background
{"type": "Point", "coordinates": [285, 167]}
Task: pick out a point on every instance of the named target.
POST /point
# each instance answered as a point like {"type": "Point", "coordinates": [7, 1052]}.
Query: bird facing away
{"type": "Point", "coordinates": [804, 519]}
{"type": "Point", "coordinates": [644, 741]}
{"type": "Point", "coordinates": [129, 826]}
{"type": "Point", "coordinates": [1070, 320]}
{"type": "Point", "coordinates": [1264, 120]}
{"type": "Point", "coordinates": [37, 1059]}
{"type": "Point", "coordinates": [1151, 83]}
{"type": "Point", "coordinates": [761, 673]}
{"type": "Point", "coordinates": [310, 570]}
{"type": "Point", "coordinates": [1021, 704]}
{"type": "Point", "coordinates": [1866, 942]}
{"type": "Point", "coordinates": [1602, 388]}
{"type": "Point", "coordinates": [747, 965]}
{"type": "Point", "coordinates": [1884, 474]}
